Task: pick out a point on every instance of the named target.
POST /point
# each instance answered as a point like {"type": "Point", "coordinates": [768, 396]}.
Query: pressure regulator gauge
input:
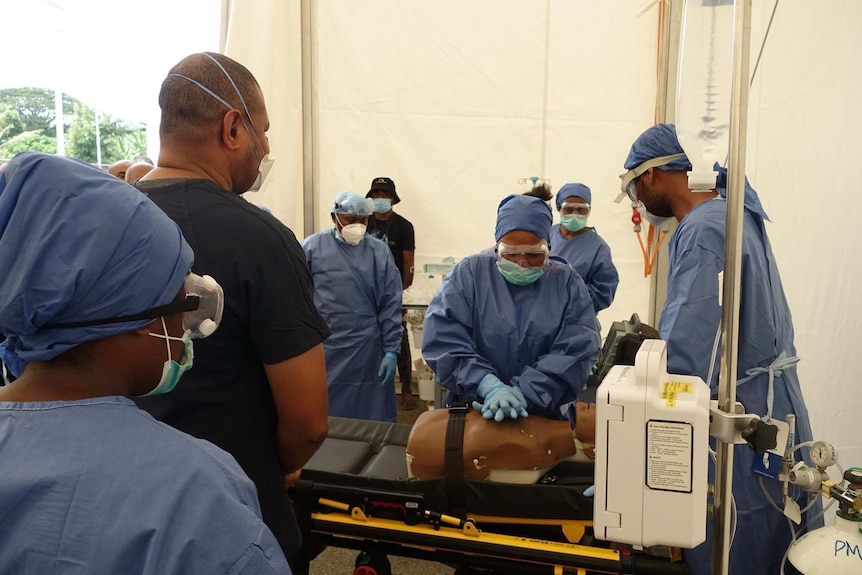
{"type": "Point", "coordinates": [823, 454]}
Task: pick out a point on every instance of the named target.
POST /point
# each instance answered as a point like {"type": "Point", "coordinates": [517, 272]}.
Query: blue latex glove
{"type": "Point", "coordinates": [387, 368]}
{"type": "Point", "coordinates": [499, 400]}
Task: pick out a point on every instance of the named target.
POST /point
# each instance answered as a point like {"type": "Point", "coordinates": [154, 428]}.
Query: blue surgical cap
{"type": "Point", "coordinates": [77, 245]}
{"type": "Point", "coordinates": [523, 213]}
{"type": "Point", "coordinates": [658, 141]}
{"type": "Point", "coordinates": [353, 204]}
{"type": "Point", "coordinates": [573, 191]}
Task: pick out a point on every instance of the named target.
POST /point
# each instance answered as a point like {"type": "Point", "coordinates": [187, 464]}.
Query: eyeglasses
{"type": "Point", "coordinates": [202, 309]}
{"type": "Point", "coordinates": [575, 208]}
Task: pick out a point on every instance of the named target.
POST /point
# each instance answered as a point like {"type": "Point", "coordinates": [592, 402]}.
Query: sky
{"type": "Point", "coordinates": [110, 54]}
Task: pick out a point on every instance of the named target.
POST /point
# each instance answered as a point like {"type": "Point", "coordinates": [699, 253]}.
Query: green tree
{"type": "Point", "coordinates": [35, 106]}
{"type": "Point", "coordinates": [27, 122]}
{"type": "Point", "coordinates": [133, 144]}
{"type": "Point", "coordinates": [118, 141]}
{"type": "Point", "coordinates": [11, 124]}
{"type": "Point", "coordinates": [28, 142]}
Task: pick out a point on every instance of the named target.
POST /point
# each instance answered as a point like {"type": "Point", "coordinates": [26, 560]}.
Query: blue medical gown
{"type": "Point", "coordinates": [541, 337]}
{"type": "Point", "coordinates": [357, 290]}
{"type": "Point", "coordinates": [689, 322]}
{"type": "Point", "coordinates": [99, 486]}
{"type": "Point", "coordinates": [590, 255]}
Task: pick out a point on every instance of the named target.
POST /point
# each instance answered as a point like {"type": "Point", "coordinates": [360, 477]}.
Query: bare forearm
{"type": "Point", "coordinates": [296, 446]}
{"type": "Point", "coordinates": [299, 390]}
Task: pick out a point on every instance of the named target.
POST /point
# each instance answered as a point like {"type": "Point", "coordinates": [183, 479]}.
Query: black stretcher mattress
{"type": "Point", "coordinates": [369, 456]}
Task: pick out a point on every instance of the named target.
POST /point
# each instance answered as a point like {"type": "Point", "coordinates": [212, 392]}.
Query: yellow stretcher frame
{"type": "Point", "coordinates": [451, 538]}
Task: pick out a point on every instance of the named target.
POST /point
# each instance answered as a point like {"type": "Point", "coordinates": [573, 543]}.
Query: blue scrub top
{"type": "Point", "coordinates": [99, 486]}
{"type": "Point", "coordinates": [541, 337]}
{"type": "Point", "coordinates": [688, 324]}
{"type": "Point", "coordinates": [590, 255]}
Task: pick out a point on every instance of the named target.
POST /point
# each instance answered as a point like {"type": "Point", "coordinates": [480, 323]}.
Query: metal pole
{"type": "Point", "coordinates": [309, 131]}
{"type": "Point", "coordinates": [60, 122]}
{"type": "Point", "coordinates": [663, 58]}
{"type": "Point", "coordinates": [98, 142]}
{"type": "Point", "coordinates": [665, 104]}
{"type": "Point", "coordinates": [732, 272]}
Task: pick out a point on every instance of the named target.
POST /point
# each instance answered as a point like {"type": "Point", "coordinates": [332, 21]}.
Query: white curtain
{"type": "Point", "coordinates": [264, 36]}
{"type": "Point", "coordinates": [803, 152]}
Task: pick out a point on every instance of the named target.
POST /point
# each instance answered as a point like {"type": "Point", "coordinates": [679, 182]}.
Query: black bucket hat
{"type": "Point", "coordinates": [384, 185]}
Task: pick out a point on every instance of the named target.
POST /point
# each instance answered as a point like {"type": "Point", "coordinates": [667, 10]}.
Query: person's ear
{"type": "Point", "coordinates": [334, 220]}
{"type": "Point", "coordinates": [649, 176]}
{"type": "Point", "coordinates": [231, 131]}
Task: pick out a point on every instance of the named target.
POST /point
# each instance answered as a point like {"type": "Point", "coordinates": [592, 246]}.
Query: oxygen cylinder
{"type": "Point", "coordinates": [834, 549]}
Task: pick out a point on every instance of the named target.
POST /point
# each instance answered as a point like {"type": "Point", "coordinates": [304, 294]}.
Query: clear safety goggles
{"type": "Point", "coordinates": [202, 309]}
{"type": "Point", "coordinates": [628, 183]}
{"type": "Point", "coordinates": [532, 256]}
{"type": "Point", "coordinates": [572, 208]}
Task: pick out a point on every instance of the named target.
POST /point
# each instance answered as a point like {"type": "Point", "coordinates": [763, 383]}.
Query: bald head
{"type": "Point", "coordinates": [189, 109]}
{"type": "Point", "coordinates": [118, 169]}
{"type": "Point", "coordinates": [137, 171]}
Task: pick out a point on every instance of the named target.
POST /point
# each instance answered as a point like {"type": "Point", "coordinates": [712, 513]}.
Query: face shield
{"type": "Point", "coordinates": [628, 183]}
{"type": "Point", "coordinates": [202, 309]}
{"type": "Point", "coordinates": [205, 319]}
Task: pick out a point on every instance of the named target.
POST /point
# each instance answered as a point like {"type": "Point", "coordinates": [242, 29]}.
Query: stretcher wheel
{"type": "Point", "coordinates": [372, 564]}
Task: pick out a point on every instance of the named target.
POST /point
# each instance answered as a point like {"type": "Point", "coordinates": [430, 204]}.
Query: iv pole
{"type": "Point", "coordinates": [732, 271]}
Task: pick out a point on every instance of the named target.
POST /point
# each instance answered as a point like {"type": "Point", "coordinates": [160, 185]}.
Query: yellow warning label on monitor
{"type": "Point", "coordinates": [669, 389]}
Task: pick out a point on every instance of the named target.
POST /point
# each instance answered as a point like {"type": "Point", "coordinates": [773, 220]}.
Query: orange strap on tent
{"type": "Point", "coordinates": [653, 243]}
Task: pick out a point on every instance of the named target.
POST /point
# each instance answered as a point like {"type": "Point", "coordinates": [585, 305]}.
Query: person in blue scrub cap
{"type": "Point", "coordinates": [489, 335]}
{"type": "Point", "coordinates": [767, 380]}
{"type": "Point", "coordinates": [357, 290]}
{"type": "Point", "coordinates": [582, 247]}
{"type": "Point", "coordinates": [95, 305]}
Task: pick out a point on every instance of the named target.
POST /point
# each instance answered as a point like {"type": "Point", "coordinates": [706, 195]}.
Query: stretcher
{"type": "Point", "coordinates": [355, 493]}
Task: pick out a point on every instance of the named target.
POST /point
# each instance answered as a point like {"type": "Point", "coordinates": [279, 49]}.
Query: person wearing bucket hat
{"type": "Point", "coordinates": [357, 289]}
{"type": "Point", "coordinates": [582, 247]}
{"type": "Point", "coordinates": [94, 297]}
{"type": "Point", "coordinates": [488, 335]}
{"type": "Point", "coordinates": [768, 383]}
{"type": "Point", "coordinates": [397, 232]}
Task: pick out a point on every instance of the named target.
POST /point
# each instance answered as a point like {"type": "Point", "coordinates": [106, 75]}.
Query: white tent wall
{"type": "Point", "coordinates": [803, 146]}
{"type": "Point", "coordinates": [457, 101]}
{"type": "Point", "coordinates": [266, 39]}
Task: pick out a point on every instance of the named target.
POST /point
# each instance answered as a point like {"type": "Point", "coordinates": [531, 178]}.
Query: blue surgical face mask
{"type": "Point", "coordinates": [517, 275]}
{"type": "Point", "coordinates": [173, 371]}
{"type": "Point", "coordinates": [382, 205]}
{"type": "Point", "coordinates": [573, 222]}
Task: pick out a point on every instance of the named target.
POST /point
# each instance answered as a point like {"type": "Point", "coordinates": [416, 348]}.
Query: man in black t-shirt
{"type": "Point", "coordinates": [258, 385]}
{"type": "Point", "coordinates": [395, 231]}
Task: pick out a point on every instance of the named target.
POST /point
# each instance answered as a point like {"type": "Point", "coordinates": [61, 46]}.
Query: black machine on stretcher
{"type": "Point", "coordinates": [355, 493]}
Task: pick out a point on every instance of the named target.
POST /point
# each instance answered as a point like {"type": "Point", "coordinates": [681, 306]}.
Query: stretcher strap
{"type": "Point", "coordinates": [456, 491]}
